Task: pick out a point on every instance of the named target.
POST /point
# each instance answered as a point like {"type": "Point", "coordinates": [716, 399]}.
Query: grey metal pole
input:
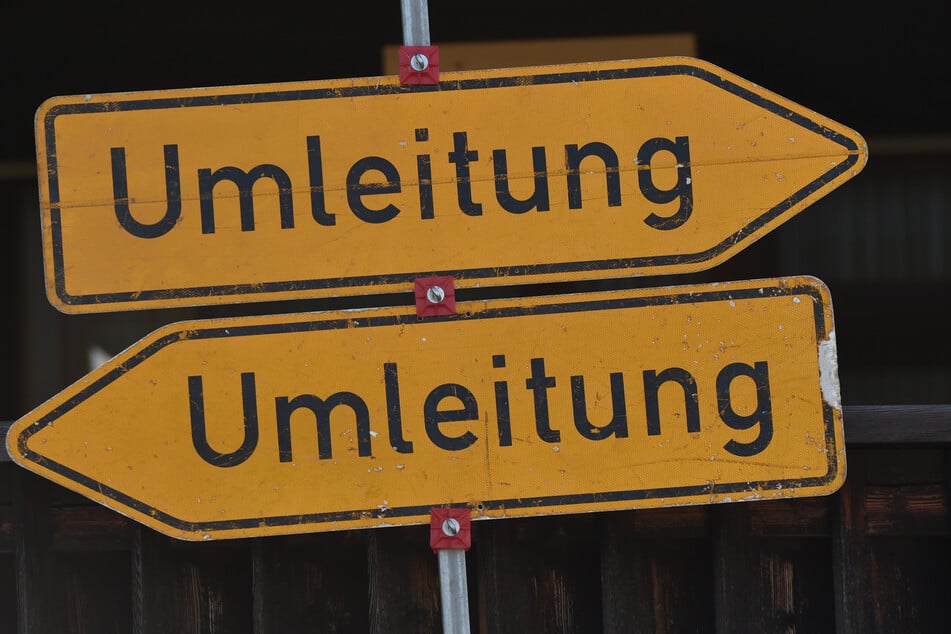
{"type": "Point", "coordinates": [415, 23]}
{"type": "Point", "coordinates": [453, 586]}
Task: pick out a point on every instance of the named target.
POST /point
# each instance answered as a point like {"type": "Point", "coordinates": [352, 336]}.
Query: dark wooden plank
{"type": "Point", "coordinates": [161, 598]}
{"type": "Point", "coordinates": [849, 569]}
{"type": "Point", "coordinates": [39, 590]}
{"type": "Point", "coordinates": [910, 510]}
{"type": "Point", "coordinates": [7, 484]}
{"type": "Point", "coordinates": [891, 573]}
{"type": "Point", "coordinates": [682, 522]}
{"type": "Point", "coordinates": [738, 595]}
{"type": "Point", "coordinates": [896, 424]}
{"type": "Point", "coordinates": [98, 591]}
{"type": "Point", "coordinates": [6, 479]}
{"type": "Point", "coordinates": [899, 465]}
{"type": "Point", "coordinates": [90, 526]}
{"type": "Point", "coordinates": [190, 587]}
{"type": "Point", "coordinates": [311, 583]}
{"type": "Point", "coordinates": [404, 581]}
{"type": "Point", "coordinates": [775, 584]}
{"type": "Point", "coordinates": [887, 584]}
{"type": "Point", "coordinates": [7, 534]}
{"type": "Point", "coordinates": [801, 517]}
{"type": "Point", "coordinates": [541, 575]}
{"type": "Point", "coordinates": [908, 589]}
{"type": "Point", "coordinates": [656, 571]}
{"type": "Point", "coordinates": [8, 592]}
{"type": "Point", "coordinates": [64, 590]}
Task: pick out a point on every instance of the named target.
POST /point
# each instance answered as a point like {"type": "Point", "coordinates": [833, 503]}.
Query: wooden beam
{"type": "Point", "coordinates": [896, 424]}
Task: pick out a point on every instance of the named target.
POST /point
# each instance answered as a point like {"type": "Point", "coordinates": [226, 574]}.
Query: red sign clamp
{"type": "Point", "coordinates": [435, 296]}
{"type": "Point", "coordinates": [419, 65]}
{"type": "Point", "coordinates": [450, 528]}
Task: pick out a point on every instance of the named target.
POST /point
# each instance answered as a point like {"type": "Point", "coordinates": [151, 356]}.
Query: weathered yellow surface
{"type": "Point", "coordinates": [382, 183]}
{"type": "Point", "coordinates": [535, 406]}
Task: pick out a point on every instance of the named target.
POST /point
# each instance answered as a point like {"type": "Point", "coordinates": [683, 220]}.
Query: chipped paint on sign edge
{"type": "Point", "coordinates": [829, 371]}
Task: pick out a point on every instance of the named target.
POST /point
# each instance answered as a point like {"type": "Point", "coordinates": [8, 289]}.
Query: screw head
{"type": "Point", "coordinates": [419, 62]}
{"type": "Point", "coordinates": [451, 527]}
{"type": "Point", "coordinates": [435, 294]}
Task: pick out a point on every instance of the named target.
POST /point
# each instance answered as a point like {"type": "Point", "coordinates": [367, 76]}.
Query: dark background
{"type": "Point", "coordinates": [878, 241]}
{"type": "Point", "coordinates": [880, 71]}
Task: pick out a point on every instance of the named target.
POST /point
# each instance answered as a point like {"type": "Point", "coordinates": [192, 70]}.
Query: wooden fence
{"type": "Point", "coordinates": [873, 557]}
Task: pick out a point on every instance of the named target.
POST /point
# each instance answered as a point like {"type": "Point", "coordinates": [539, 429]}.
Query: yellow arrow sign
{"type": "Point", "coordinates": [328, 421]}
{"type": "Point", "coordinates": [298, 190]}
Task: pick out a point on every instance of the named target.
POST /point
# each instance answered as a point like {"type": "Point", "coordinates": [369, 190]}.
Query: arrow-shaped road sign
{"type": "Point", "coordinates": [318, 189]}
{"type": "Point", "coordinates": [328, 421]}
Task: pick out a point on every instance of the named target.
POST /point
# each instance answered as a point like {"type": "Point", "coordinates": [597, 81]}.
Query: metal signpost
{"type": "Point", "coordinates": [450, 535]}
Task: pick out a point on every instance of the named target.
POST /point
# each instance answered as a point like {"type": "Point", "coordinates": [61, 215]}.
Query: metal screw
{"type": "Point", "coordinates": [451, 527]}
{"type": "Point", "coordinates": [419, 62]}
{"type": "Point", "coordinates": [435, 294]}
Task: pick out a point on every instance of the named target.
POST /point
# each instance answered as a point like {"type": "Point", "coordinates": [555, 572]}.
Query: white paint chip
{"type": "Point", "coordinates": [829, 372]}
